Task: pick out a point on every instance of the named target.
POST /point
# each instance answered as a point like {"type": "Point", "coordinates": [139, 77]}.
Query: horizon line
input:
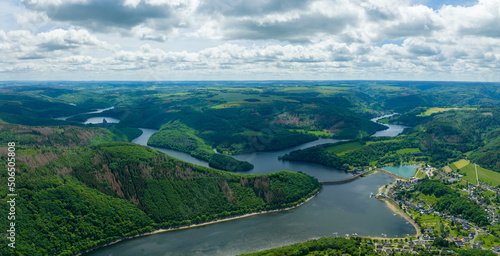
{"type": "Point", "coordinates": [252, 80]}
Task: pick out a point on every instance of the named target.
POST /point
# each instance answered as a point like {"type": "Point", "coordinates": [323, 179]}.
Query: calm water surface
{"type": "Point", "coordinates": [99, 120]}
{"type": "Point", "coordinates": [338, 209]}
{"type": "Point", "coordinates": [92, 112]}
{"type": "Point", "coordinates": [393, 130]}
{"type": "Point", "coordinates": [342, 209]}
{"type": "Point", "coordinates": [406, 171]}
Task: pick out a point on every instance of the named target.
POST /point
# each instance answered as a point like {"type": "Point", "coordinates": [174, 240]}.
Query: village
{"type": "Point", "coordinates": [439, 231]}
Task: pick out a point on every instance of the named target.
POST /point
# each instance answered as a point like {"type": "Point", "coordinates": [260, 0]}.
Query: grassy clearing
{"type": "Point", "coordinates": [330, 89]}
{"type": "Point", "coordinates": [297, 89]}
{"type": "Point", "coordinates": [383, 141]}
{"type": "Point", "coordinates": [345, 148]}
{"type": "Point", "coordinates": [467, 169]}
{"type": "Point", "coordinates": [420, 174]}
{"type": "Point", "coordinates": [384, 120]}
{"type": "Point", "coordinates": [461, 163]}
{"type": "Point", "coordinates": [388, 88]}
{"type": "Point", "coordinates": [326, 90]}
{"type": "Point", "coordinates": [489, 193]}
{"type": "Point", "coordinates": [234, 99]}
{"type": "Point", "coordinates": [460, 183]}
{"type": "Point", "coordinates": [407, 151]}
{"type": "Point", "coordinates": [431, 111]}
{"type": "Point", "coordinates": [428, 198]}
{"type": "Point", "coordinates": [248, 132]}
{"type": "Point", "coordinates": [317, 133]}
{"type": "Point", "coordinates": [489, 240]}
{"type": "Point", "coordinates": [426, 221]}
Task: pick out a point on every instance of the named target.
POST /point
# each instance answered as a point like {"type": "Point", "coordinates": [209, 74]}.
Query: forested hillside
{"type": "Point", "coordinates": [82, 185]}
{"type": "Point", "coordinates": [447, 137]}
{"type": "Point", "coordinates": [73, 196]}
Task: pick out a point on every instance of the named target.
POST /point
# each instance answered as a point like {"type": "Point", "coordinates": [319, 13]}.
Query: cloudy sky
{"type": "Point", "coordinates": [250, 39]}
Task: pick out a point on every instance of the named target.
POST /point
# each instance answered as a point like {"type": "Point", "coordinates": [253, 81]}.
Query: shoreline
{"type": "Point", "coordinates": [396, 209]}
{"type": "Point", "coordinates": [392, 205]}
{"type": "Point", "coordinates": [158, 231]}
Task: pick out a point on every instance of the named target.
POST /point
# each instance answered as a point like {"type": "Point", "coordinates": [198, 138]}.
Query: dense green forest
{"type": "Point", "coordinates": [76, 190]}
{"type": "Point", "coordinates": [177, 136]}
{"type": "Point", "coordinates": [83, 185]}
{"type": "Point", "coordinates": [447, 137]}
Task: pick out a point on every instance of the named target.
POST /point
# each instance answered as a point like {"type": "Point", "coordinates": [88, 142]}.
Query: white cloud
{"type": "Point", "coordinates": [482, 19]}
{"type": "Point", "coordinates": [259, 39]}
{"type": "Point", "coordinates": [22, 44]}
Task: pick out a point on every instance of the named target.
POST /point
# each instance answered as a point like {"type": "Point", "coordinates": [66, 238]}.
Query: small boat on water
{"type": "Point", "coordinates": [371, 195]}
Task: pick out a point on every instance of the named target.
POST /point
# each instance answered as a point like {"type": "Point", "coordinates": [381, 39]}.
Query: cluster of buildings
{"type": "Point", "coordinates": [426, 240]}
{"type": "Point", "coordinates": [489, 208]}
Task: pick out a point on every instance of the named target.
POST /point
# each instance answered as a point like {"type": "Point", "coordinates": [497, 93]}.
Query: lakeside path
{"type": "Point", "coordinates": [196, 225]}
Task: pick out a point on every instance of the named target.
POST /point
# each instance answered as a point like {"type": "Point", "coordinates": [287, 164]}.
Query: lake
{"type": "Point", "coordinates": [92, 120]}
{"type": "Point", "coordinates": [393, 128]}
{"type": "Point", "coordinates": [99, 120]}
{"type": "Point", "coordinates": [342, 209]}
{"type": "Point", "coordinates": [338, 209]}
{"type": "Point", "coordinates": [406, 171]}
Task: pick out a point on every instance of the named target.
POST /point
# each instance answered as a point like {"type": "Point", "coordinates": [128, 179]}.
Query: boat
{"type": "Point", "coordinates": [371, 195]}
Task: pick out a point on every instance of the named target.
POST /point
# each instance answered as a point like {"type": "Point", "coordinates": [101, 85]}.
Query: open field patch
{"type": "Point", "coordinates": [431, 111]}
{"type": "Point", "coordinates": [468, 169]}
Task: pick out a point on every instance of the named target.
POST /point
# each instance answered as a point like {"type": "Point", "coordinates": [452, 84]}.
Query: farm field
{"type": "Point", "coordinates": [467, 169]}
{"type": "Point", "coordinates": [431, 111]}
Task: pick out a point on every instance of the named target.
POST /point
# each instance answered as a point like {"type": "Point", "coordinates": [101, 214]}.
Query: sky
{"type": "Point", "coordinates": [161, 40]}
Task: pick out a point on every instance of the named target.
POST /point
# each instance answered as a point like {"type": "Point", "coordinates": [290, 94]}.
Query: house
{"type": "Point", "coordinates": [496, 248]}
